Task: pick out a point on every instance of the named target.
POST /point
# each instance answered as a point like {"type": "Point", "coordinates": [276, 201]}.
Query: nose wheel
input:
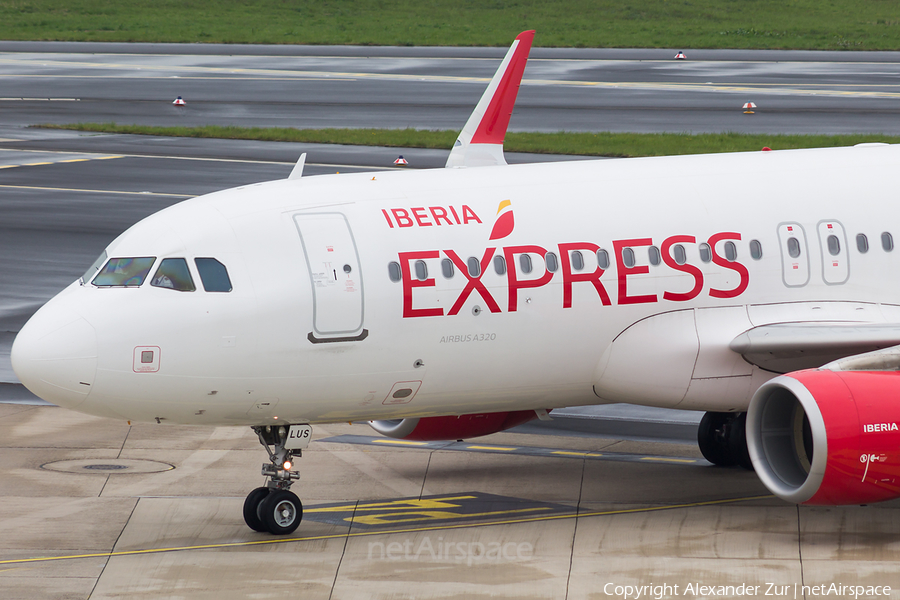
{"type": "Point", "coordinates": [252, 506]}
{"type": "Point", "coordinates": [275, 508]}
{"type": "Point", "coordinates": [281, 512]}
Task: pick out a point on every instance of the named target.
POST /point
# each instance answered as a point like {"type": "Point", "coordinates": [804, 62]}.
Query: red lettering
{"type": "Point", "coordinates": [402, 217]}
{"type": "Point", "coordinates": [473, 283]}
{"type": "Point", "coordinates": [409, 283]}
{"type": "Point", "coordinates": [734, 266]}
{"type": "Point", "coordinates": [516, 284]}
{"type": "Point", "coordinates": [386, 216]}
{"type": "Point", "coordinates": [439, 212]}
{"type": "Point", "coordinates": [623, 272]}
{"type": "Point", "coordinates": [419, 218]}
{"type": "Point", "coordinates": [468, 215]}
{"type": "Point", "coordinates": [688, 268]}
{"type": "Point", "coordinates": [569, 277]}
{"type": "Point", "coordinates": [455, 216]}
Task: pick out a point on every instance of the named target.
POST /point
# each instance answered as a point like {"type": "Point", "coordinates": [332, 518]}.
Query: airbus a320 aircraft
{"type": "Point", "coordinates": [453, 303]}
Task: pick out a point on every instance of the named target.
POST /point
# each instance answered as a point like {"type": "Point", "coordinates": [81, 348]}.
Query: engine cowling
{"type": "Point", "coordinates": [427, 429]}
{"type": "Point", "coordinates": [827, 437]}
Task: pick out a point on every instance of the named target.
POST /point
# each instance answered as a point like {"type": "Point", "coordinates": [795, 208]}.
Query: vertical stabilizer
{"type": "Point", "coordinates": [480, 143]}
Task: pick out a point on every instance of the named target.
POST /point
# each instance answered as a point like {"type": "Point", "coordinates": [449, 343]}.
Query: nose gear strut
{"type": "Point", "coordinates": [274, 508]}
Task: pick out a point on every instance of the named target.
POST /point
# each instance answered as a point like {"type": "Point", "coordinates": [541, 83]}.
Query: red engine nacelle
{"type": "Point", "coordinates": [461, 427]}
{"type": "Point", "coordinates": [828, 437]}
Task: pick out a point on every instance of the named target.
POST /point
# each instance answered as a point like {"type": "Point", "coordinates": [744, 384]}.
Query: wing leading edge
{"type": "Point", "coordinates": [785, 347]}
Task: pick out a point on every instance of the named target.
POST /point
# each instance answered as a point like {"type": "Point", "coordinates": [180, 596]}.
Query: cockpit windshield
{"type": "Point", "coordinates": [173, 274]}
{"type": "Point", "coordinates": [124, 272]}
{"type": "Point", "coordinates": [213, 274]}
{"type": "Point", "coordinates": [95, 266]}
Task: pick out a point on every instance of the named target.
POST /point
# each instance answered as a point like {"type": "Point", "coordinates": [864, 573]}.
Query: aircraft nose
{"type": "Point", "coordinates": [55, 356]}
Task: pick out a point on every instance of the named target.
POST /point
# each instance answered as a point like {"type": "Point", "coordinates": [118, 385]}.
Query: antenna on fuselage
{"type": "Point", "coordinates": [480, 143]}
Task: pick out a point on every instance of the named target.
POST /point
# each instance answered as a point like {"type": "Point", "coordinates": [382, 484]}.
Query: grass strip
{"type": "Point", "coordinates": [673, 24]}
{"type": "Point", "coordinates": [587, 144]}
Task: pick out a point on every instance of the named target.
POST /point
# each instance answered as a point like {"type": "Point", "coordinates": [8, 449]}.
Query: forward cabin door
{"type": "Point", "coordinates": [336, 279]}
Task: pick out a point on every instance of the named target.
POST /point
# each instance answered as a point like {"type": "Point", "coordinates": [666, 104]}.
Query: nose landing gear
{"type": "Point", "coordinates": [275, 508]}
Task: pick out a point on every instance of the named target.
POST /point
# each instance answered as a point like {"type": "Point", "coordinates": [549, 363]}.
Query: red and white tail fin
{"type": "Point", "coordinates": [480, 143]}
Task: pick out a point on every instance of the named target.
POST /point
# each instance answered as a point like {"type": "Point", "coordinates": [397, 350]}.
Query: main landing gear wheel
{"type": "Point", "coordinates": [722, 438]}
{"type": "Point", "coordinates": [712, 439]}
{"type": "Point", "coordinates": [737, 442]}
{"type": "Point", "coordinates": [274, 508]}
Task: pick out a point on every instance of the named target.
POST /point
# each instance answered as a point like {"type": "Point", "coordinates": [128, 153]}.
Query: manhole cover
{"type": "Point", "coordinates": [106, 465]}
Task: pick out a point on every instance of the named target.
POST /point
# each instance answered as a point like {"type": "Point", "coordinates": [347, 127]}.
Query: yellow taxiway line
{"type": "Point", "coordinates": [385, 531]}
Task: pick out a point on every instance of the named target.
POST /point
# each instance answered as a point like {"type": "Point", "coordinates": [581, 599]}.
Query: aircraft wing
{"type": "Point", "coordinates": [786, 347]}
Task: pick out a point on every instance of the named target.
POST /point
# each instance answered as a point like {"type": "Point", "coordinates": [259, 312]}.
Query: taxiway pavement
{"type": "Point", "coordinates": [94, 508]}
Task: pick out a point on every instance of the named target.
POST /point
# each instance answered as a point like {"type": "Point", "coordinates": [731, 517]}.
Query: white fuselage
{"type": "Point", "coordinates": [299, 339]}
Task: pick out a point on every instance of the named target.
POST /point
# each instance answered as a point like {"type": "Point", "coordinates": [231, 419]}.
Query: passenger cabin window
{"type": "Point", "coordinates": [862, 243]}
{"type": "Point", "coordinates": [552, 262]}
{"type": "Point", "coordinates": [887, 241]}
{"type": "Point", "coordinates": [603, 259]}
{"type": "Point", "coordinates": [793, 245]}
{"type": "Point", "coordinates": [525, 263]}
{"type": "Point", "coordinates": [421, 270]}
{"type": "Point", "coordinates": [705, 253]}
{"type": "Point", "coordinates": [499, 265]}
{"type": "Point", "coordinates": [447, 268]}
{"type": "Point", "coordinates": [474, 267]}
{"type": "Point", "coordinates": [213, 274]}
{"type": "Point", "coordinates": [680, 254]}
{"type": "Point", "coordinates": [124, 272]}
{"type": "Point", "coordinates": [628, 257]}
{"type": "Point", "coordinates": [577, 261]}
{"type": "Point", "coordinates": [95, 266]}
{"type": "Point", "coordinates": [755, 249]}
{"type": "Point", "coordinates": [653, 255]}
{"type": "Point", "coordinates": [730, 252]}
{"type": "Point", "coordinates": [834, 245]}
{"type": "Point", "coordinates": [173, 274]}
{"type": "Point", "coordinates": [394, 271]}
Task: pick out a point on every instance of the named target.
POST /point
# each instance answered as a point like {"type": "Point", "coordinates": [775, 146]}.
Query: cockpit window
{"type": "Point", "coordinates": [124, 272]}
{"type": "Point", "coordinates": [92, 270]}
{"type": "Point", "coordinates": [213, 274]}
{"type": "Point", "coordinates": [173, 274]}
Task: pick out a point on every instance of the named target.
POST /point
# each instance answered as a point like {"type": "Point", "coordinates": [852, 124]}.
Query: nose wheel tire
{"type": "Point", "coordinates": [252, 506]}
{"type": "Point", "coordinates": [280, 512]}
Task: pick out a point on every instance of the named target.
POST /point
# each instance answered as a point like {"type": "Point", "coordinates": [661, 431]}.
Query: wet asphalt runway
{"type": "Point", "coordinates": [564, 89]}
